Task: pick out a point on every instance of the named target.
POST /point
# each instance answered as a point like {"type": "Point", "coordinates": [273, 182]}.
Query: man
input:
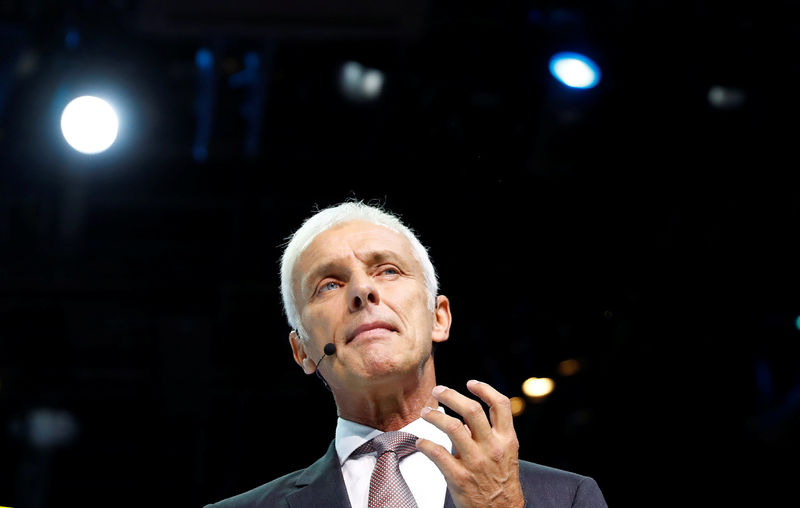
{"type": "Point", "coordinates": [360, 292]}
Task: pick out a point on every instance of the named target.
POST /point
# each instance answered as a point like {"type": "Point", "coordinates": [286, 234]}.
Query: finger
{"type": "Point", "coordinates": [453, 427]}
{"type": "Point", "coordinates": [499, 405]}
{"type": "Point", "coordinates": [470, 409]}
{"type": "Point", "coordinates": [440, 456]}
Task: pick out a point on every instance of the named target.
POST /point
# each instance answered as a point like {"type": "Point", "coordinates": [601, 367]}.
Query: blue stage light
{"type": "Point", "coordinates": [204, 58]}
{"type": "Point", "coordinates": [574, 70]}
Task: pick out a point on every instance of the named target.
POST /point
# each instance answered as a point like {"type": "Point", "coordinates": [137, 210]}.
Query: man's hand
{"type": "Point", "coordinates": [484, 472]}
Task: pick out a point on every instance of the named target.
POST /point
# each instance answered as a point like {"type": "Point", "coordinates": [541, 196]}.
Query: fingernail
{"type": "Point", "coordinates": [439, 389]}
{"type": "Point", "coordinates": [472, 382]}
{"type": "Point", "coordinates": [424, 411]}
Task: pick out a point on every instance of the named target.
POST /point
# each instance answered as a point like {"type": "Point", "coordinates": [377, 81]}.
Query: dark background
{"type": "Point", "coordinates": [637, 227]}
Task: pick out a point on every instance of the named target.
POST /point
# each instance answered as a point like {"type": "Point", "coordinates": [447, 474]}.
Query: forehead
{"type": "Point", "coordinates": [359, 239]}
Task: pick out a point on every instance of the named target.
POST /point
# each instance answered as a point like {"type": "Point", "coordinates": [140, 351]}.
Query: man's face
{"type": "Point", "coordinates": [359, 286]}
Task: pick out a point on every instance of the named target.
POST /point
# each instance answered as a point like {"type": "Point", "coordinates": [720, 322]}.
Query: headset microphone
{"type": "Point", "coordinates": [329, 350]}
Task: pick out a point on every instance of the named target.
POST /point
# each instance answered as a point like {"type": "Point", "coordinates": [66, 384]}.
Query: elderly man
{"type": "Point", "coordinates": [360, 293]}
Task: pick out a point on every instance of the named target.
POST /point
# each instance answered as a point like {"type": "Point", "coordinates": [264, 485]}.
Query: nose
{"type": "Point", "coordinates": [362, 293]}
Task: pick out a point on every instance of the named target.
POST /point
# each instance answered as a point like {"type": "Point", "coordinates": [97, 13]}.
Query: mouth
{"type": "Point", "coordinates": [370, 329]}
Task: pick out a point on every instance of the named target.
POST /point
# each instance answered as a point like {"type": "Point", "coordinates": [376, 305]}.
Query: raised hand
{"type": "Point", "coordinates": [484, 472]}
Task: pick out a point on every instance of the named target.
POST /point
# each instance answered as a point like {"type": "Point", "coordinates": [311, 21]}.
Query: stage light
{"type": "Point", "coordinates": [574, 70]}
{"type": "Point", "coordinates": [797, 323]}
{"type": "Point", "coordinates": [204, 58]}
{"type": "Point", "coordinates": [89, 124]}
{"type": "Point", "coordinates": [372, 82]}
{"type": "Point", "coordinates": [726, 98]}
{"type": "Point", "coordinates": [205, 96]}
{"type": "Point", "coordinates": [569, 367]}
{"type": "Point", "coordinates": [517, 405]}
{"type": "Point", "coordinates": [49, 428]}
{"type": "Point", "coordinates": [538, 387]}
{"type": "Point", "coordinates": [360, 83]}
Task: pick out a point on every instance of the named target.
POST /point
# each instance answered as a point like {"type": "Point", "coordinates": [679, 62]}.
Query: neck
{"type": "Point", "coordinates": [389, 405]}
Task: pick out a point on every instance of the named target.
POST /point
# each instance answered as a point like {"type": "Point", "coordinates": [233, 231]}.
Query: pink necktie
{"type": "Point", "coordinates": [387, 488]}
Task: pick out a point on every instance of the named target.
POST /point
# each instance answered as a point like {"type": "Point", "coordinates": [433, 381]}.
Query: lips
{"type": "Point", "coordinates": [369, 327]}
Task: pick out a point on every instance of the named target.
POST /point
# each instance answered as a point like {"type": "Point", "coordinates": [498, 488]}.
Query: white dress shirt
{"type": "Point", "coordinates": [426, 482]}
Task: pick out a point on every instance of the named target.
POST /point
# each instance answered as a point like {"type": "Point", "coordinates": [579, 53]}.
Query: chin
{"type": "Point", "coordinates": [390, 367]}
{"type": "Point", "coordinates": [382, 366]}
{"type": "Point", "coordinates": [379, 367]}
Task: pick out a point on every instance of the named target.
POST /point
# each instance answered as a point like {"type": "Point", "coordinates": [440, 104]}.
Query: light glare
{"type": "Point", "coordinates": [360, 83]}
{"type": "Point", "coordinates": [517, 406]}
{"type": "Point", "coordinates": [574, 70]}
{"type": "Point", "coordinates": [537, 387]}
{"type": "Point", "coordinates": [89, 124]}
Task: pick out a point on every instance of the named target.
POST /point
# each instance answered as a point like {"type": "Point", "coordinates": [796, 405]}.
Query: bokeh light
{"type": "Point", "coordinates": [89, 124]}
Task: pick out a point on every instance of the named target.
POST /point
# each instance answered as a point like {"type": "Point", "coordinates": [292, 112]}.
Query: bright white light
{"type": "Point", "coordinates": [574, 70]}
{"type": "Point", "coordinates": [537, 387]}
{"type": "Point", "coordinates": [89, 124]}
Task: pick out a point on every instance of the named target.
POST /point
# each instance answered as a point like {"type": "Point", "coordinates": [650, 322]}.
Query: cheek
{"type": "Point", "coordinates": [405, 299]}
{"type": "Point", "coordinates": [416, 309]}
{"type": "Point", "coordinates": [317, 320]}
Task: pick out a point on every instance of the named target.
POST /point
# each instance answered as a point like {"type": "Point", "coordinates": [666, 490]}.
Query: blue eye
{"type": "Point", "coordinates": [328, 286]}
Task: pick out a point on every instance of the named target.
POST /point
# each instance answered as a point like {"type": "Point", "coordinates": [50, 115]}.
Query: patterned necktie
{"type": "Point", "coordinates": [387, 488]}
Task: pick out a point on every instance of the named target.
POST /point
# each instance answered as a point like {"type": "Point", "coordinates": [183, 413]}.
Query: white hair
{"type": "Point", "coordinates": [326, 219]}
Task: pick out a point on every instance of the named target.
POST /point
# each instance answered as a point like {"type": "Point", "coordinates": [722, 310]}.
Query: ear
{"type": "Point", "coordinates": [299, 353]}
{"type": "Point", "coordinates": [442, 319]}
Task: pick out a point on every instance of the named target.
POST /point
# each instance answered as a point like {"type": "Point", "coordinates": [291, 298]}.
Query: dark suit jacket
{"type": "Point", "coordinates": [321, 485]}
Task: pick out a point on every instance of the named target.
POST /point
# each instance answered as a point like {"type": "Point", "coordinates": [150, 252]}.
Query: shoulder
{"type": "Point", "coordinates": [269, 494]}
{"type": "Point", "coordinates": [321, 478]}
{"type": "Point", "coordinates": [549, 486]}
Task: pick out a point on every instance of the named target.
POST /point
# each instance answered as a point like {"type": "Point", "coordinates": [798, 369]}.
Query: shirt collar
{"type": "Point", "coordinates": [350, 435]}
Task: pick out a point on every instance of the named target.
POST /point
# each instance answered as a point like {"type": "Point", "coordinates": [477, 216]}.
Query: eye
{"type": "Point", "coordinates": [328, 286]}
{"type": "Point", "coordinates": [389, 270]}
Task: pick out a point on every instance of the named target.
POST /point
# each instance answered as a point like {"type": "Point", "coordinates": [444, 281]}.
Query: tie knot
{"type": "Point", "coordinates": [401, 443]}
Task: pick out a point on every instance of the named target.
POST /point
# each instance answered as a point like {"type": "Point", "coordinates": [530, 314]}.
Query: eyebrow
{"type": "Point", "coordinates": [372, 257]}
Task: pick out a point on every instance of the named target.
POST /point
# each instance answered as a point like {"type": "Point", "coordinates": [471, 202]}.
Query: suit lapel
{"type": "Point", "coordinates": [448, 501]}
{"type": "Point", "coordinates": [321, 485]}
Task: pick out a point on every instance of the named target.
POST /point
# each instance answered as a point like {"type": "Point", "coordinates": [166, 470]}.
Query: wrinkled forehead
{"type": "Point", "coordinates": [350, 240]}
